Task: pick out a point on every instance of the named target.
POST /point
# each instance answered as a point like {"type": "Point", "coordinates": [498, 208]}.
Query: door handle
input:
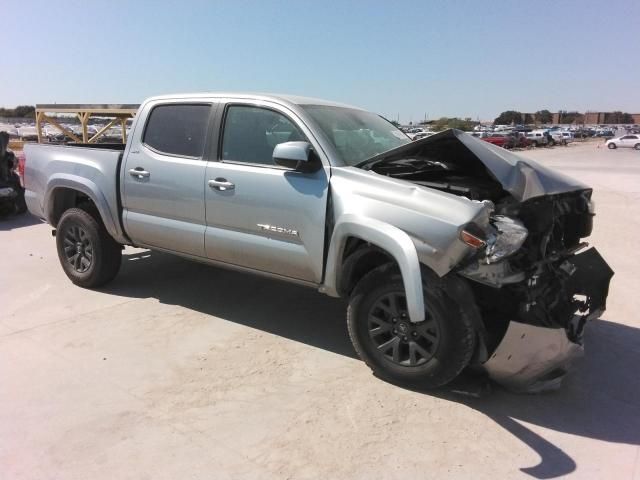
{"type": "Point", "coordinates": [221, 184]}
{"type": "Point", "coordinates": [139, 172]}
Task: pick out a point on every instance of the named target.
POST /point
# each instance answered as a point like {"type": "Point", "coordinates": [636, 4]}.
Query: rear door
{"type": "Point", "coordinates": [260, 215]}
{"type": "Point", "coordinates": [629, 140]}
{"type": "Point", "coordinates": [163, 177]}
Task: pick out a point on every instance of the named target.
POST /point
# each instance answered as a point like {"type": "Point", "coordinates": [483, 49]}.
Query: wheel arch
{"type": "Point", "coordinates": [374, 241]}
{"type": "Point", "coordinates": [64, 193]}
{"type": "Point", "coordinates": [359, 258]}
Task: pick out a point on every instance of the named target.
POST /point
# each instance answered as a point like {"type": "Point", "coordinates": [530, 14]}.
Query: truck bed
{"type": "Point", "coordinates": [93, 170]}
{"type": "Point", "coordinates": [99, 146]}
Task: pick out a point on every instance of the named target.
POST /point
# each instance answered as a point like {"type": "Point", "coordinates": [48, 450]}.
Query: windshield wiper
{"type": "Point", "coordinates": [367, 163]}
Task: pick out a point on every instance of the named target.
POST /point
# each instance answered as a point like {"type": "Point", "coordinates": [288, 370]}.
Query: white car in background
{"type": "Point", "coordinates": [423, 134]}
{"type": "Point", "coordinates": [413, 132]}
{"type": "Point", "coordinates": [537, 138]}
{"type": "Point", "coordinates": [567, 137]}
{"type": "Point", "coordinates": [630, 141]}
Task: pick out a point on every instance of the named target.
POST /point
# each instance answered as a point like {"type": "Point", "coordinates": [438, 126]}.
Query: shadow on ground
{"type": "Point", "coordinates": [13, 222]}
{"type": "Point", "coordinates": [599, 400]}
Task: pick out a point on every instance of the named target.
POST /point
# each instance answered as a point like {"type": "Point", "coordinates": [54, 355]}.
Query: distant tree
{"type": "Point", "coordinates": [528, 119]}
{"type": "Point", "coordinates": [444, 123]}
{"type": "Point", "coordinates": [626, 118]}
{"type": "Point", "coordinates": [565, 117]}
{"type": "Point", "coordinates": [25, 111]}
{"type": "Point", "coordinates": [508, 117]}
{"type": "Point", "coordinates": [22, 111]}
{"type": "Point", "coordinates": [543, 116]}
{"type": "Point", "coordinates": [618, 117]}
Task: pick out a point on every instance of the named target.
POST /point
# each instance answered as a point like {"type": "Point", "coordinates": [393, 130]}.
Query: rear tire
{"type": "Point", "coordinates": [637, 146]}
{"type": "Point", "coordinates": [88, 254]}
{"type": "Point", "coordinates": [427, 354]}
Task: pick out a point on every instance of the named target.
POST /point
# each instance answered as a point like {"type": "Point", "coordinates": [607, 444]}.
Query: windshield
{"type": "Point", "coordinates": [356, 135]}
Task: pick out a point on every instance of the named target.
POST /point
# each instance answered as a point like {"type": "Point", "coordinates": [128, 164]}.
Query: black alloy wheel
{"type": "Point", "coordinates": [78, 248]}
{"type": "Point", "coordinates": [88, 254]}
{"type": "Point", "coordinates": [429, 353]}
{"type": "Point", "coordinates": [396, 338]}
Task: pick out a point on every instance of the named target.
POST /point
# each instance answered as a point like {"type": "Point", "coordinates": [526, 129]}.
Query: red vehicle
{"type": "Point", "coordinates": [522, 141]}
{"type": "Point", "coordinates": [501, 140]}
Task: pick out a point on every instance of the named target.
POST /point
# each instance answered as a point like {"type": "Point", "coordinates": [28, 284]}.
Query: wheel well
{"type": "Point", "coordinates": [358, 259]}
{"type": "Point", "coordinates": [62, 199]}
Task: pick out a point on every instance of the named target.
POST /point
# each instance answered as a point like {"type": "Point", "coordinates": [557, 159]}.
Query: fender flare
{"type": "Point", "coordinates": [88, 188]}
{"type": "Point", "coordinates": [387, 237]}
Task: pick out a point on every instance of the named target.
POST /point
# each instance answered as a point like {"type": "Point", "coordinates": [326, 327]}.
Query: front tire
{"type": "Point", "coordinates": [88, 254]}
{"type": "Point", "coordinates": [612, 146]}
{"type": "Point", "coordinates": [427, 354]}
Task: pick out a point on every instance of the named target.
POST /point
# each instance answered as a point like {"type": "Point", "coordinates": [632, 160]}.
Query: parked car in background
{"type": "Point", "coordinates": [567, 137]}
{"type": "Point", "coordinates": [28, 133]}
{"type": "Point", "coordinates": [537, 138]}
{"type": "Point", "coordinates": [412, 132]}
{"type": "Point", "coordinates": [628, 141]}
{"type": "Point", "coordinates": [521, 140]}
{"type": "Point", "coordinates": [604, 132]}
{"type": "Point", "coordinates": [423, 134]}
{"type": "Point", "coordinates": [503, 140]}
{"type": "Point", "coordinates": [557, 137]}
{"type": "Point", "coordinates": [583, 133]}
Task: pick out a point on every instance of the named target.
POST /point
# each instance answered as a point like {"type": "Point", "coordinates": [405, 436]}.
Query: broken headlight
{"type": "Point", "coordinates": [509, 236]}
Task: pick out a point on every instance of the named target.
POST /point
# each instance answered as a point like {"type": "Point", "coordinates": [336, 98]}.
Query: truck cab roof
{"type": "Point", "coordinates": [278, 98]}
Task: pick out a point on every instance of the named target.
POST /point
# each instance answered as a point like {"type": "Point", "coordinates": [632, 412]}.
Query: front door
{"type": "Point", "coordinates": [163, 178]}
{"type": "Point", "coordinates": [260, 215]}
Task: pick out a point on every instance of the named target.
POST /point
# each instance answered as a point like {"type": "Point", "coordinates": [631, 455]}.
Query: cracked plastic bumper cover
{"type": "Point", "coordinates": [533, 358]}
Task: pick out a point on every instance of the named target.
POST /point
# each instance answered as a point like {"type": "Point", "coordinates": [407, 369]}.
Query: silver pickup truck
{"type": "Point", "coordinates": [452, 253]}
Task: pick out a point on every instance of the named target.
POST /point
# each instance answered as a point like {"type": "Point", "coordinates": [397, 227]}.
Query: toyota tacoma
{"type": "Point", "coordinates": [451, 252]}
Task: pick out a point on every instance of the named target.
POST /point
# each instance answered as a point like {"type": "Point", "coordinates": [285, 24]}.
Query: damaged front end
{"type": "Point", "coordinates": [537, 286]}
{"type": "Point", "coordinates": [534, 280]}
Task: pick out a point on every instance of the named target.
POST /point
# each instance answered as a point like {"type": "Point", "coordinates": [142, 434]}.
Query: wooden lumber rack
{"type": "Point", "coordinates": [116, 113]}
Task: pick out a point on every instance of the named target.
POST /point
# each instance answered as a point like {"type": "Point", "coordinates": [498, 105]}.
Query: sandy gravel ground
{"type": "Point", "coordinates": [178, 370]}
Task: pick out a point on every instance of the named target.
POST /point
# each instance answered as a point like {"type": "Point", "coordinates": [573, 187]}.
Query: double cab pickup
{"type": "Point", "coordinates": [451, 252]}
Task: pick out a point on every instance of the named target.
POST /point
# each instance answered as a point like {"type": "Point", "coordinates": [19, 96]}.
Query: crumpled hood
{"type": "Point", "coordinates": [521, 177]}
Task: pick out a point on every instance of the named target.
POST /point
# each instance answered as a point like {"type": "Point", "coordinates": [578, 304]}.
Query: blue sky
{"type": "Point", "coordinates": [453, 58]}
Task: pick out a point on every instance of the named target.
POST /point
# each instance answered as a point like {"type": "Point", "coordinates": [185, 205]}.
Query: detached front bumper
{"type": "Point", "coordinates": [534, 358]}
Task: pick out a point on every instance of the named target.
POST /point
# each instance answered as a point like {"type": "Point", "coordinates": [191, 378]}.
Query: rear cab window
{"type": "Point", "coordinates": [178, 129]}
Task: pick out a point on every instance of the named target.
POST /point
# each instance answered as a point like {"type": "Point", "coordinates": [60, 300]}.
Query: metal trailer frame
{"type": "Point", "coordinates": [116, 112]}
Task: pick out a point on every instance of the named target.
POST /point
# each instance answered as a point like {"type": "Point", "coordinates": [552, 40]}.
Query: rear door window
{"type": "Point", "coordinates": [177, 129]}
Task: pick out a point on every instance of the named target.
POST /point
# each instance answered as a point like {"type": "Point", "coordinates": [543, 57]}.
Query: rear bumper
{"type": "Point", "coordinates": [534, 358]}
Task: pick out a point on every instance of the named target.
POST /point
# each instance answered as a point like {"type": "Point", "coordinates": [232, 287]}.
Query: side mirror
{"type": "Point", "coordinates": [295, 155]}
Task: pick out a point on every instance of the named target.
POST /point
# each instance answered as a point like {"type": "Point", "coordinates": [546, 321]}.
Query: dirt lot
{"type": "Point", "coordinates": [179, 370]}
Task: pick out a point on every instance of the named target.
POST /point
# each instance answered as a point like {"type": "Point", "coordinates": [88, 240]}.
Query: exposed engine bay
{"type": "Point", "coordinates": [531, 266]}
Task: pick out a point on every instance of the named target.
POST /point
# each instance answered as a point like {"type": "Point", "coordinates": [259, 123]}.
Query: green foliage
{"type": "Point", "coordinates": [543, 116]}
{"type": "Point", "coordinates": [445, 122]}
{"type": "Point", "coordinates": [565, 117]}
{"type": "Point", "coordinates": [509, 117]}
{"type": "Point", "coordinates": [22, 111]}
{"type": "Point", "coordinates": [618, 117]}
